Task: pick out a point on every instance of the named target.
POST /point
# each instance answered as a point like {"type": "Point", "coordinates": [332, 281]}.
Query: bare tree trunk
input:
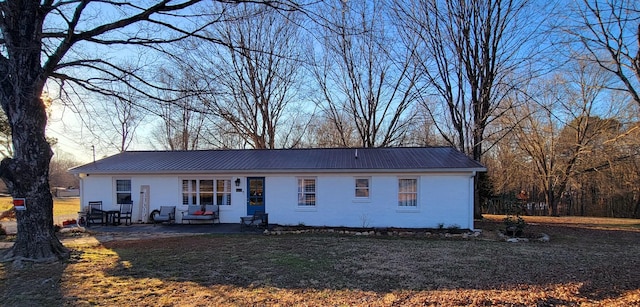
{"type": "Point", "coordinates": [464, 56]}
{"type": "Point", "coordinates": [27, 173]}
{"type": "Point", "coordinates": [31, 55]}
{"type": "Point", "coordinates": [551, 200]}
{"type": "Point", "coordinates": [27, 176]}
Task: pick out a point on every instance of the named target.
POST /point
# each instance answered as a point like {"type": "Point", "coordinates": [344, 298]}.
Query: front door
{"type": "Point", "coordinates": [255, 197]}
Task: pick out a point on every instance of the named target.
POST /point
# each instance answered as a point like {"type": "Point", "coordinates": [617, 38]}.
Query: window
{"type": "Point", "coordinates": [189, 192]}
{"type": "Point", "coordinates": [306, 191]}
{"type": "Point", "coordinates": [362, 187]}
{"type": "Point", "coordinates": [223, 192]}
{"type": "Point", "coordinates": [408, 192]}
{"type": "Point", "coordinates": [203, 192]}
{"type": "Point", "coordinates": [123, 191]}
{"type": "Point", "coordinates": [206, 192]}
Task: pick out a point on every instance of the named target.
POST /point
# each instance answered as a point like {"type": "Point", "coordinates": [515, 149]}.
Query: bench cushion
{"type": "Point", "coordinates": [197, 217]}
{"type": "Point", "coordinates": [193, 209]}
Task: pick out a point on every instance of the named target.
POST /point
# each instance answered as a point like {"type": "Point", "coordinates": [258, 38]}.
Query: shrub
{"type": "Point", "coordinates": [514, 225]}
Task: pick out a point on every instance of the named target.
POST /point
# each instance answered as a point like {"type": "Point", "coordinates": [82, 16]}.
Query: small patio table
{"type": "Point", "coordinates": [112, 217]}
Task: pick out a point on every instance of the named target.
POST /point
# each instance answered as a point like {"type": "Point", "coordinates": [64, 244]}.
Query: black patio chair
{"type": "Point", "coordinates": [259, 219]}
{"type": "Point", "coordinates": [125, 213]}
{"type": "Point", "coordinates": [95, 213]}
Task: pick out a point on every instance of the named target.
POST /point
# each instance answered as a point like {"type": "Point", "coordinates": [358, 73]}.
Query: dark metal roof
{"type": "Point", "coordinates": [411, 159]}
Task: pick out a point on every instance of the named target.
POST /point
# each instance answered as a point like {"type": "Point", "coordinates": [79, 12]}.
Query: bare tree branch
{"type": "Point", "coordinates": [366, 81]}
{"type": "Point", "coordinates": [45, 40]}
{"type": "Point", "coordinates": [608, 31]}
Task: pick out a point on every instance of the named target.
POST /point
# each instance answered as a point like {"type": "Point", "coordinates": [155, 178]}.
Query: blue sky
{"type": "Point", "coordinates": [75, 139]}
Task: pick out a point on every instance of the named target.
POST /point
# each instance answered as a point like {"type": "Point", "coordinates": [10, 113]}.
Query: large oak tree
{"type": "Point", "coordinates": [473, 55]}
{"type": "Point", "coordinates": [64, 43]}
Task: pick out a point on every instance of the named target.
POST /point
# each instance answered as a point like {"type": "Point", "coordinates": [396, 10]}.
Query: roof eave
{"type": "Point", "coordinates": [282, 171]}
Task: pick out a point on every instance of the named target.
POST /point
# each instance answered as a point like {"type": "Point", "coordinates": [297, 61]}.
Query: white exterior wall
{"type": "Point", "coordinates": [443, 198]}
{"type": "Point", "coordinates": [164, 190]}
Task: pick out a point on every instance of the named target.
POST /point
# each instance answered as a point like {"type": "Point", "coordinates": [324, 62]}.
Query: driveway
{"type": "Point", "coordinates": [133, 232]}
{"type": "Point", "coordinates": [10, 227]}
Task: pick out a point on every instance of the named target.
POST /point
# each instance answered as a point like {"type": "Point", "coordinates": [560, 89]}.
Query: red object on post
{"type": "Point", "coordinates": [19, 204]}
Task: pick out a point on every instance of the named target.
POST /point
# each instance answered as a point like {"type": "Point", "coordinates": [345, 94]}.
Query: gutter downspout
{"type": "Point", "coordinates": [81, 187]}
{"type": "Point", "coordinates": [471, 205]}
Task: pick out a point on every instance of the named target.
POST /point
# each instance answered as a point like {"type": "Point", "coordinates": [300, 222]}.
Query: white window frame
{"type": "Point", "coordinates": [194, 193]}
{"type": "Point", "coordinates": [225, 194]}
{"type": "Point", "coordinates": [356, 188]}
{"type": "Point", "coordinates": [401, 194]}
{"type": "Point", "coordinates": [191, 192]}
{"type": "Point", "coordinates": [130, 191]}
{"type": "Point", "coordinates": [209, 194]}
{"type": "Point", "coordinates": [302, 193]}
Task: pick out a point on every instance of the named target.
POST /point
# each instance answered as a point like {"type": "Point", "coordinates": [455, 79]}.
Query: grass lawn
{"type": "Point", "coordinates": [580, 221]}
{"type": "Point", "coordinates": [583, 264]}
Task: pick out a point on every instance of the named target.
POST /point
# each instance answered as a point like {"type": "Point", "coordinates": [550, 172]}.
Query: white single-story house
{"type": "Point", "coordinates": [409, 187]}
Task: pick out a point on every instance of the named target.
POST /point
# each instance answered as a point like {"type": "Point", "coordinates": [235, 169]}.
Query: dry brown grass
{"type": "Point", "coordinates": [5, 203]}
{"type": "Point", "coordinates": [577, 221]}
{"type": "Point", "coordinates": [66, 206]}
{"type": "Point", "coordinates": [62, 207]}
{"type": "Point", "coordinates": [580, 266]}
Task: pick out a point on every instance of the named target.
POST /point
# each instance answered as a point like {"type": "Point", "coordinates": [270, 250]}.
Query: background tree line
{"type": "Point", "coordinates": [543, 93]}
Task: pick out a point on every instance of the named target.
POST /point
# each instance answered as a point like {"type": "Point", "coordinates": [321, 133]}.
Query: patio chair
{"type": "Point", "coordinates": [166, 214]}
{"type": "Point", "coordinates": [125, 213]}
{"type": "Point", "coordinates": [95, 213]}
{"type": "Point", "coordinates": [259, 219]}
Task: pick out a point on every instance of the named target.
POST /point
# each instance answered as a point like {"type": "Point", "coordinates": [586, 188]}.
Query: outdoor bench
{"type": "Point", "coordinates": [202, 213]}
